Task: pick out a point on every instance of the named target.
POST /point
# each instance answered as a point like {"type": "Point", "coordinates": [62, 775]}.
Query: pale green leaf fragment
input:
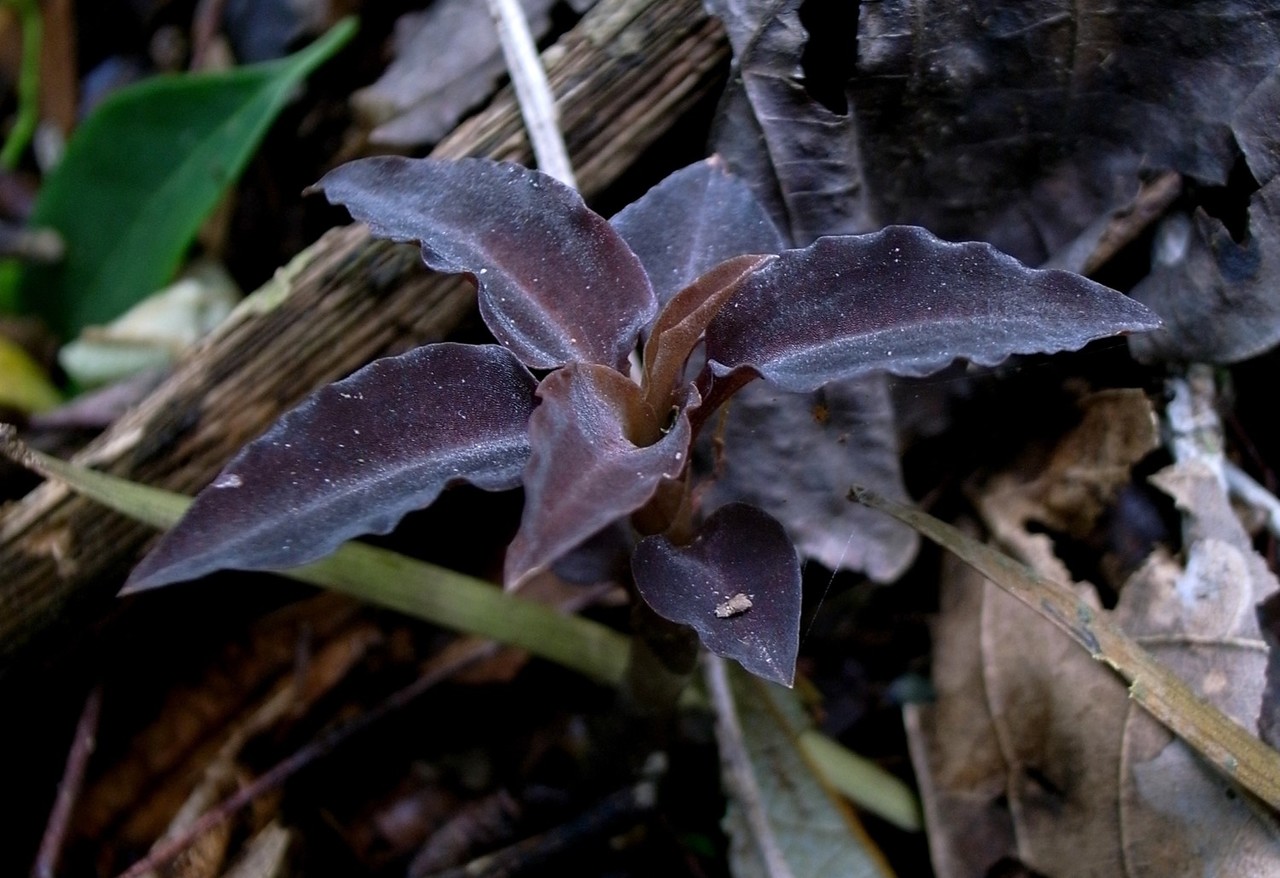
{"type": "Point", "coordinates": [152, 333]}
{"type": "Point", "coordinates": [782, 821]}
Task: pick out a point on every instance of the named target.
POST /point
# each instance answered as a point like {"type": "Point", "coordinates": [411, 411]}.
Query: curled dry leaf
{"type": "Point", "coordinates": [803, 159]}
{"type": "Point", "coordinates": [1070, 490]}
{"type": "Point", "coordinates": [1216, 295]}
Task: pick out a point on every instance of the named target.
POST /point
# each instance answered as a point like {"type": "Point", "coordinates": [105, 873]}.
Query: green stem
{"type": "Point", "coordinates": [24, 126]}
{"type": "Point", "coordinates": [471, 606]}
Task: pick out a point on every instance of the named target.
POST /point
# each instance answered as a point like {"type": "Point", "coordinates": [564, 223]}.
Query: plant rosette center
{"type": "Point", "coordinates": [567, 292]}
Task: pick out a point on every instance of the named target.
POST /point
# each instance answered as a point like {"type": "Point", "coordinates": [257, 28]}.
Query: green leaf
{"type": "Point", "coordinates": [783, 821]}
{"type": "Point", "coordinates": [140, 176]}
{"type": "Point", "coordinates": [24, 386]}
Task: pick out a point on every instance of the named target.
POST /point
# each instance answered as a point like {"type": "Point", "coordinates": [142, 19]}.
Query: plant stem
{"type": "Point", "coordinates": [24, 125]}
{"type": "Point", "coordinates": [660, 663]}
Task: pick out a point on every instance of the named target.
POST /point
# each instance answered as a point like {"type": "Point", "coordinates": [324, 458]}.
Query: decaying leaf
{"type": "Point", "coordinates": [803, 159]}
{"type": "Point", "coordinates": [987, 126]}
{"type": "Point", "coordinates": [1216, 295]}
{"type": "Point", "coordinates": [1035, 752]}
{"type": "Point", "coordinates": [447, 60]}
{"type": "Point", "coordinates": [1068, 492]}
{"type": "Point", "coordinates": [153, 332]}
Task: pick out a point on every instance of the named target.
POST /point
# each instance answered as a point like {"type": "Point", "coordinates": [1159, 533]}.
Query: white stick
{"type": "Point", "coordinates": [533, 92]}
{"type": "Point", "coordinates": [740, 774]}
{"type": "Point", "coordinates": [1243, 486]}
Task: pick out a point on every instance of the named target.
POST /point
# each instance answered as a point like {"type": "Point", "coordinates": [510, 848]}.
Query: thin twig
{"type": "Point", "coordinates": [1245, 488]}
{"type": "Point", "coordinates": [738, 770]}
{"type": "Point", "coordinates": [445, 666]}
{"type": "Point", "coordinates": [533, 91]}
{"type": "Point", "coordinates": [612, 813]}
{"type": "Point", "coordinates": [1192, 416]}
{"type": "Point", "coordinates": [55, 833]}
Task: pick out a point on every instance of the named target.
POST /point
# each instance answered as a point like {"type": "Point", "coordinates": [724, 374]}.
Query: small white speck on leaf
{"type": "Point", "coordinates": [230, 480]}
{"type": "Point", "coordinates": [735, 606]}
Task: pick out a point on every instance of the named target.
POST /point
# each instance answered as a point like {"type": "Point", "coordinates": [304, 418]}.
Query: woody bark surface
{"type": "Point", "coordinates": [622, 77]}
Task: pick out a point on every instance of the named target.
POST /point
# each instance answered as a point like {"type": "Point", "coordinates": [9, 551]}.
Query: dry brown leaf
{"type": "Point", "coordinates": [1035, 752]}
{"type": "Point", "coordinates": [288, 701]}
{"type": "Point", "coordinates": [183, 732]}
{"type": "Point", "coordinates": [265, 855]}
{"type": "Point", "coordinates": [1069, 491]}
{"type": "Point", "coordinates": [447, 61]}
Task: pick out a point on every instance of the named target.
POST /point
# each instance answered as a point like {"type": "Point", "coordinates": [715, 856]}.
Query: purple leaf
{"type": "Point", "coordinates": [905, 302]}
{"type": "Point", "coordinates": [693, 220]}
{"type": "Point", "coordinates": [354, 459]}
{"type": "Point", "coordinates": [585, 470]}
{"type": "Point", "coordinates": [557, 284]}
{"type": "Point", "coordinates": [737, 584]}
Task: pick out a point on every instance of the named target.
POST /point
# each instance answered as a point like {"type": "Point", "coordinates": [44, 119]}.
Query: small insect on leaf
{"type": "Point", "coordinates": [734, 606]}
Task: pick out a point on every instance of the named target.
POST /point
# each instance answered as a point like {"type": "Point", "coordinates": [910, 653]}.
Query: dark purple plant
{"type": "Point", "coordinates": [565, 291]}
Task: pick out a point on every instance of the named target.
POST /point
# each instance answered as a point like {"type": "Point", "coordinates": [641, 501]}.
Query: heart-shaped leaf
{"type": "Point", "coordinates": [354, 459]}
{"type": "Point", "coordinates": [694, 219]}
{"type": "Point", "coordinates": [557, 284]}
{"type": "Point", "coordinates": [903, 301]}
{"type": "Point", "coordinates": [585, 471]}
{"type": "Point", "coordinates": [737, 584]}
